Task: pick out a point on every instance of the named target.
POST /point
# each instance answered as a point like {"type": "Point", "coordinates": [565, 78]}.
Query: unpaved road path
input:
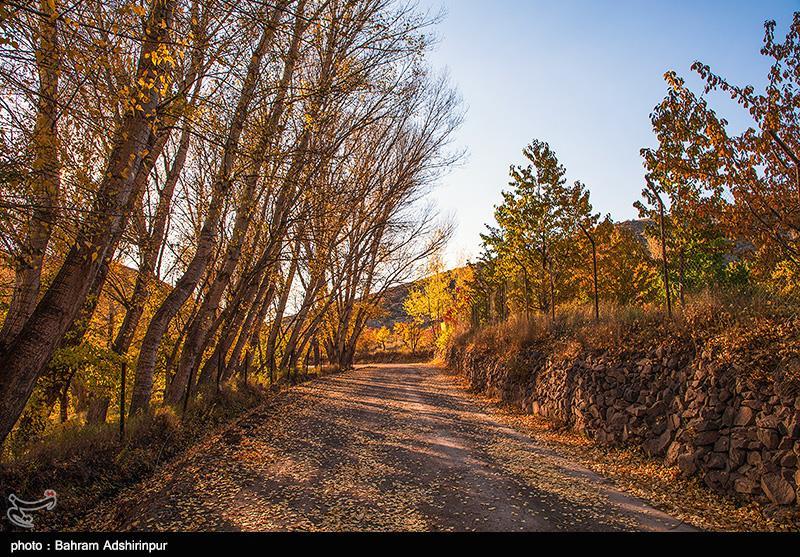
{"type": "Point", "coordinates": [399, 448]}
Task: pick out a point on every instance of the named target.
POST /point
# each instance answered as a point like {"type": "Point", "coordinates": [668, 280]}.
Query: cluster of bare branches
{"type": "Point", "coordinates": [266, 160]}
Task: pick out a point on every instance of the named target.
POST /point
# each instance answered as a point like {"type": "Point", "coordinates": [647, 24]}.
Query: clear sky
{"type": "Point", "coordinates": [583, 75]}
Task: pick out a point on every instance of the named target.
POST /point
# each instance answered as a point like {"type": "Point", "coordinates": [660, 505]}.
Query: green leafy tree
{"type": "Point", "coordinates": [683, 175]}
{"type": "Point", "coordinates": [533, 244]}
{"type": "Point", "coordinates": [580, 220]}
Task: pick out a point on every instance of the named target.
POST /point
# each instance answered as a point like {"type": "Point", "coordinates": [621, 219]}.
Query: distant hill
{"type": "Point", "coordinates": [739, 249]}
{"type": "Point", "coordinates": [393, 305]}
{"type": "Point", "coordinates": [638, 227]}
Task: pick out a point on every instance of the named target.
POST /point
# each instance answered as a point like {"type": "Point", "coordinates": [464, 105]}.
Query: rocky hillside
{"type": "Point", "coordinates": [393, 311]}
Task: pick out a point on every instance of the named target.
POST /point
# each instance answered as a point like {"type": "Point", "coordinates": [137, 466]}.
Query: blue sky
{"type": "Point", "coordinates": [584, 76]}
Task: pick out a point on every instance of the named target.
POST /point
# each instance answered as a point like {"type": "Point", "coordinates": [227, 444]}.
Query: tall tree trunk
{"type": "Point", "coordinates": [682, 275]}
{"type": "Point", "coordinates": [63, 404]}
{"type": "Point", "coordinates": [143, 379]}
{"type": "Point", "coordinates": [28, 353]}
{"type": "Point", "coordinates": [594, 282]}
{"type": "Point", "coordinates": [663, 234]}
{"type": "Point", "coordinates": [664, 259]}
{"type": "Point", "coordinates": [290, 355]}
{"type": "Point", "coordinates": [45, 179]}
{"type": "Point", "coordinates": [97, 411]}
{"type": "Point", "coordinates": [277, 324]}
{"type": "Point", "coordinates": [80, 324]}
{"type": "Point", "coordinates": [593, 244]}
{"type": "Point", "coordinates": [228, 333]}
{"type": "Point", "coordinates": [256, 311]}
{"type": "Point", "coordinates": [151, 249]}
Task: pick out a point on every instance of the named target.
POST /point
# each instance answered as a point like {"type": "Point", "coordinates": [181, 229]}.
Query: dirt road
{"type": "Point", "coordinates": [399, 448]}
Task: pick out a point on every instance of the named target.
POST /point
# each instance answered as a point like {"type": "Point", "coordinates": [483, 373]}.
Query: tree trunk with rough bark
{"type": "Point", "coordinates": [97, 410]}
{"type": "Point", "coordinates": [151, 249]}
{"type": "Point", "coordinates": [33, 347]}
{"type": "Point", "coordinates": [200, 328]}
{"type": "Point", "coordinates": [45, 181]}
{"type": "Point", "coordinates": [143, 379]}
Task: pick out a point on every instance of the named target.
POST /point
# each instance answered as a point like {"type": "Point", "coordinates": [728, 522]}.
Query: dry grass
{"type": "Point", "coordinates": [752, 332]}
{"type": "Point", "coordinates": [87, 464]}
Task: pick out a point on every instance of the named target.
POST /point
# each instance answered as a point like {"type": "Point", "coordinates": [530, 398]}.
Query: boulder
{"type": "Point", "coordinates": [708, 422]}
{"type": "Point", "coordinates": [657, 446]}
{"type": "Point", "coordinates": [788, 460]}
{"type": "Point", "coordinates": [744, 417]}
{"type": "Point", "coordinates": [603, 437]}
{"type": "Point", "coordinates": [786, 444]}
{"type": "Point", "coordinates": [716, 479]}
{"type": "Point", "coordinates": [636, 410]}
{"type": "Point", "coordinates": [728, 416]}
{"type": "Point", "coordinates": [704, 438]}
{"type": "Point", "coordinates": [769, 438]}
{"type": "Point", "coordinates": [777, 490]}
{"type": "Point", "coordinates": [673, 452]}
{"type": "Point", "coordinates": [687, 464]}
{"type": "Point", "coordinates": [722, 445]}
{"type": "Point", "coordinates": [744, 486]}
{"type": "Point", "coordinates": [768, 422]}
{"type": "Point", "coordinates": [716, 461]}
{"type": "Point", "coordinates": [752, 404]}
{"type": "Point", "coordinates": [793, 426]}
{"type": "Point", "coordinates": [617, 420]}
{"type": "Point", "coordinates": [659, 426]}
{"type": "Point", "coordinates": [736, 457]}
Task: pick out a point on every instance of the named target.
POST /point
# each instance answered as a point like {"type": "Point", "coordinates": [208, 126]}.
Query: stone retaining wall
{"type": "Point", "coordinates": [739, 436]}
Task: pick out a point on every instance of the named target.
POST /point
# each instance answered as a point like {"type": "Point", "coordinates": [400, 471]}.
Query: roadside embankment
{"type": "Point", "coordinates": [718, 400]}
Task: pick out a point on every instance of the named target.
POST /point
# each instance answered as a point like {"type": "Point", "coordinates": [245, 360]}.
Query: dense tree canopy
{"type": "Point", "coordinates": [260, 167]}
